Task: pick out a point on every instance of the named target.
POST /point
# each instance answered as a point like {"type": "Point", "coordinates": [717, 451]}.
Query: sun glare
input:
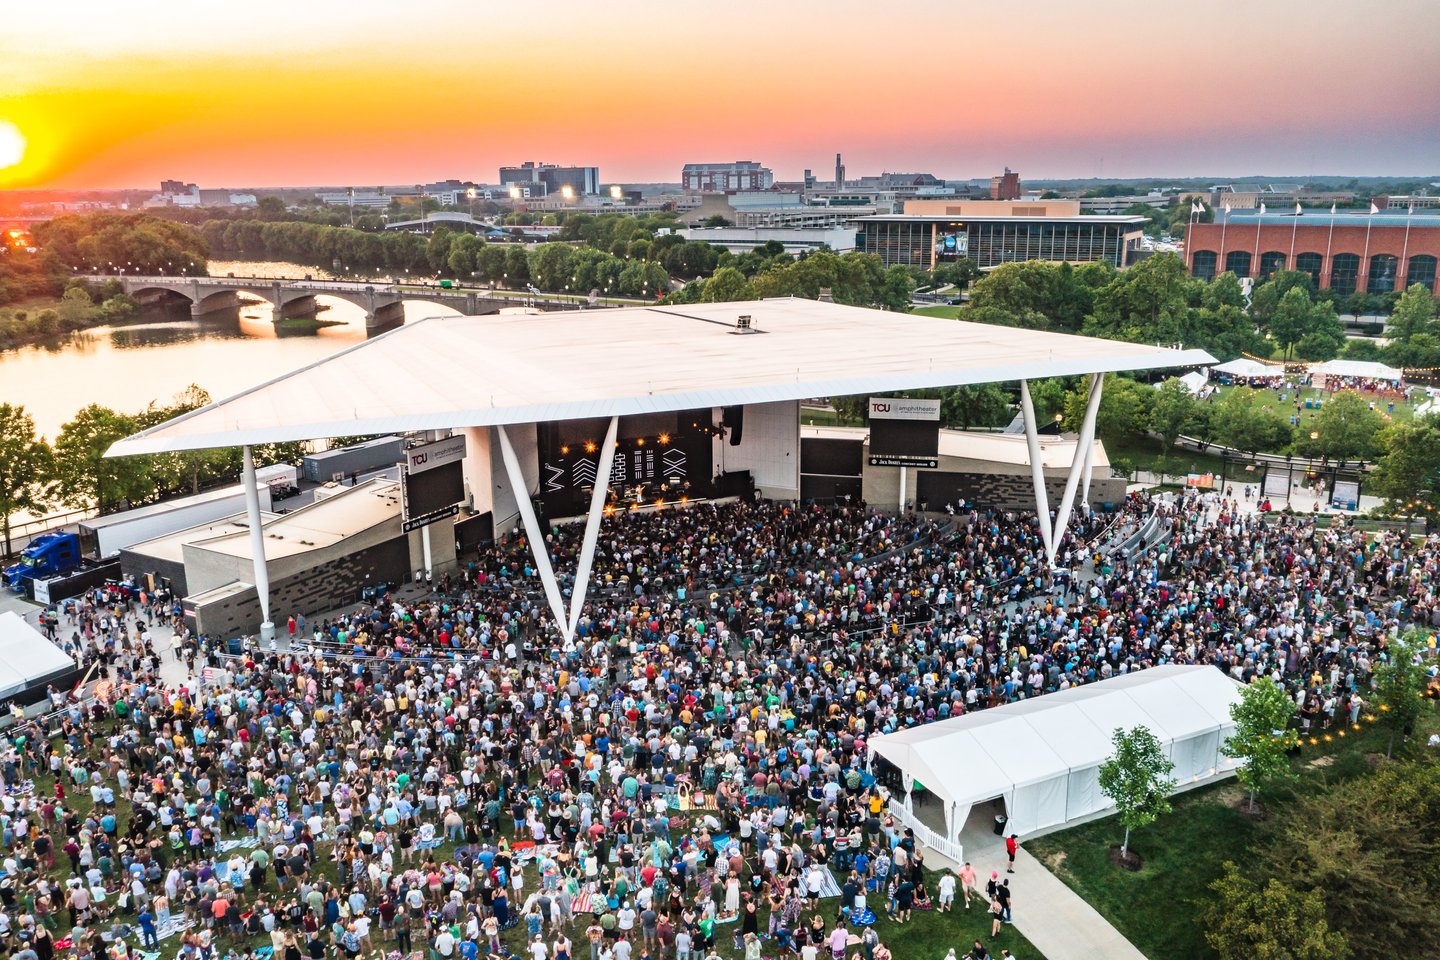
{"type": "Point", "coordinates": [12, 144]}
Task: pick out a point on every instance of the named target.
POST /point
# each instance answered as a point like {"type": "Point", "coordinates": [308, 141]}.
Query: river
{"type": "Point", "coordinates": [126, 367]}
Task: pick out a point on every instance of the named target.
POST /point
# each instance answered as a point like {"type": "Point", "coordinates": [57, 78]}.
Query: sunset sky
{"type": "Point", "coordinates": [269, 93]}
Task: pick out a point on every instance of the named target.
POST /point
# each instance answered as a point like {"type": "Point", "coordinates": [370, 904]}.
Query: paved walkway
{"type": "Point", "coordinates": [1054, 918]}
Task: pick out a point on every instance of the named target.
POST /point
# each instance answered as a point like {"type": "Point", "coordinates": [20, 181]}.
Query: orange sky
{"type": "Point", "coordinates": [329, 92]}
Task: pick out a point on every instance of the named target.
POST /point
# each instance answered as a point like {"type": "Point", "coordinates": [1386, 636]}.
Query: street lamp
{"type": "Point", "coordinates": [470, 195]}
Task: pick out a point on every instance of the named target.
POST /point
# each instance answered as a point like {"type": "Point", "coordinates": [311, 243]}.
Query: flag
{"type": "Point", "coordinates": [1262, 208]}
{"type": "Point", "coordinates": [1332, 209]}
{"type": "Point", "coordinates": [1197, 209]}
{"type": "Point", "coordinates": [1297, 209]}
{"type": "Point", "coordinates": [1373, 209]}
{"type": "Point", "coordinates": [1410, 210]}
{"type": "Point", "coordinates": [1227, 209]}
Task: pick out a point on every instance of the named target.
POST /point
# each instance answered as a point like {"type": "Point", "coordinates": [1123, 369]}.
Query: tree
{"type": "Point", "coordinates": [1273, 921]}
{"type": "Point", "coordinates": [728, 284]}
{"type": "Point", "coordinates": [84, 476]}
{"type": "Point", "coordinates": [26, 467]}
{"type": "Point", "coordinates": [1245, 421]}
{"type": "Point", "coordinates": [1408, 469]}
{"type": "Point", "coordinates": [1414, 313]}
{"type": "Point", "coordinates": [1262, 737]}
{"type": "Point", "coordinates": [1290, 320]}
{"type": "Point", "coordinates": [1348, 428]}
{"type": "Point", "coordinates": [1400, 683]}
{"type": "Point", "coordinates": [1137, 780]}
{"type": "Point", "coordinates": [1124, 407]}
{"type": "Point", "coordinates": [1145, 304]}
{"type": "Point", "coordinates": [1172, 410]}
{"type": "Point", "coordinates": [1267, 296]}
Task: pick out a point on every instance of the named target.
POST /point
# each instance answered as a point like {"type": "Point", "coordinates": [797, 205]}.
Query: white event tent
{"type": "Point", "coordinates": [1042, 755]}
{"type": "Point", "coordinates": [1248, 369]}
{"type": "Point", "coordinates": [27, 659]}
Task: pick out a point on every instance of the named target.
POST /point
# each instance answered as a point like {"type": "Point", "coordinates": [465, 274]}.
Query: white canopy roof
{"type": "Point", "coordinates": [1245, 367]}
{"type": "Point", "coordinates": [1364, 369]}
{"type": "Point", "coordinates": [1042, 754]}
{"type": "Point", "coordinates": [453, 372]}
{"type": "Point", "coordinates": [25, 655]}
{"type": "Point", "coordinates": [1194, 381]}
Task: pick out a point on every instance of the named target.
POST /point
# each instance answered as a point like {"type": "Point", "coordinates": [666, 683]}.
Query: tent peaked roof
{"type": "Point", "coordinates": [455, 372]}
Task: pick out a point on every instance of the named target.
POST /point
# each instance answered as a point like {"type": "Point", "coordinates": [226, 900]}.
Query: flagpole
{"type": "Point", "coordinates": [1293, 227]}
{"type": "Point", "coordinates": [1190, 241]}
{"type": "Point", "coordinates": [1255, 264]}
{"type": "Point", "coordinates": [1328, 269]}
{"type": "Point", "coordinates": [1220, 267]}
{"type": "Point", "coordinates": [1365, 257]}
{"type": "Point", "coordinates": [1404, 250]}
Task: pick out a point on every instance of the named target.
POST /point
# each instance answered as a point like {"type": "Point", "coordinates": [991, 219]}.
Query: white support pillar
{"type": "Point", "coordinates": [592, 526]}
{"type": "Point", "coordinates": [538, 548]}
{"type": "Point", "coordinates": [1037, 466]}
{"type": "Point", "coordinates": [1086, 477]}
{"type": "Point", "coordinates": [425, 548]}
{"type": "Point", "coordinates": [903, 478]}
{"type": "Point", "coordinates": [257, 543]}
{"type": "Point", "coordinates": [1077, 463]}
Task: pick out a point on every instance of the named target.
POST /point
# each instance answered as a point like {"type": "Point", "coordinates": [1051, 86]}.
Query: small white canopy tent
{"type": "Point", "coordinates": [1042, 756]}
{"type": "Point", "coordinates": [1361, 369]}
{"type": "Point", "coordinates": [1245, 367]}
{"type": "Point", "coordinates": [26, 657]}
{"type": "Point", "coordinates": [1194, 381]}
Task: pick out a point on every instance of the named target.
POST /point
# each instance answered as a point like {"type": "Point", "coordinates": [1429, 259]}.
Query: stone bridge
{"type": "Point", "coordinates": [383, 303]}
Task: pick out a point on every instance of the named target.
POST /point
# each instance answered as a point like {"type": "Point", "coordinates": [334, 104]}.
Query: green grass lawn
{"type": "Point", "coordinates": [938, 310]}
{"type": "Point", "coordinates": [825, 417]}
{"type": "Point", "coordinates": [1403, 409]}
{"type": "Point", "coordinates": [1183, 851]}
{"type": "Point", "coordinates": [1143, 452]}
{"type": "Point", "coordinates": [1182, 854]}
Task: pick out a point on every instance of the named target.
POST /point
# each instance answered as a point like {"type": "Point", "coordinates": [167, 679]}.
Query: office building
{"type": "Point", "coordinates": [725, 177]}
{"type": "Point", "coordinates": [1006, 186]}
{"type": "Point", "coordinates": [553, 178]}
{"type": "Point", "coordinates": [1345, 252]}
{"type": "Point", "coordinates": [928, 240]}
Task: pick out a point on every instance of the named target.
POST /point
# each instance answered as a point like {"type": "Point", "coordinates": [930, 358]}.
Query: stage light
{"type": "Point", "coordinates": [564, 451]}
{"type": "Point", "coordinates": [640, 442]}
{"type": "Point", "coordinates": [589, 446]}
{"type": "Point", "coordinates": [664, 438]}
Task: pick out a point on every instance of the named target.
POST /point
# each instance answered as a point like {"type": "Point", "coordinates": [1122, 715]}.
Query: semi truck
{"type": "Point", "coordinates": [48, 555]}
{"type": "Point", "coordinates": [106, 536]}
{"type": "Point", "coordinates": [283, 479]}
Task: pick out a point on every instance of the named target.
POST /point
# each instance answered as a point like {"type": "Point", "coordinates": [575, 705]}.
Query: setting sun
{"type": "Point", "coordinates": [12, 144]}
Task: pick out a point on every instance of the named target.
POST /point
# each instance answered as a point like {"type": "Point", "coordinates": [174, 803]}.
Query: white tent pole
{"type": "Point", "coordinates": [1086, 476]}
{"type": "Point", "coordinates": [1077, 463]}
{"type": "Point", "coordinates": [1037, 467]}
{"type": "Point", "coordinates": [592, 526]}
{"type": "Point", "coordinates": [532, 528]}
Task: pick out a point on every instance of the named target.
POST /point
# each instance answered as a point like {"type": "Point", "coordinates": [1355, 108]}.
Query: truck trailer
{"type": "Point", "coordinates": [48, 555]}
{"type": "Point", "coordinates": [106, 536]}
{"type": "Point", "coordinates": [377, 454]}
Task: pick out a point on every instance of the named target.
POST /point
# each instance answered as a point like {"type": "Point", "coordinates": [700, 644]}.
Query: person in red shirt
{"type": "Point", "coordinates": [1012, 844]}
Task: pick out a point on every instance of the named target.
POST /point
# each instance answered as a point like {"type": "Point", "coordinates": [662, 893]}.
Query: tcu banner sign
{"type": "Point", "coordinates": [901, 408]}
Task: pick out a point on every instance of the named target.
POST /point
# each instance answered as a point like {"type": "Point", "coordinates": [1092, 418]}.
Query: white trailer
{"type": "Point", "coordinates": [283, 479]}
{"type": "Point", "coordinates": [106, 536]}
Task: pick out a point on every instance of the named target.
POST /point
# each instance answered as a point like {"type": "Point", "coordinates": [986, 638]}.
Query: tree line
{"type": "Point", "coordinates": [38, 475]}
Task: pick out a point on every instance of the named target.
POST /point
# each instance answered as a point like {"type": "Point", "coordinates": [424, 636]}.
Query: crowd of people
{"type": "Point", "coordinates": [687, 778]}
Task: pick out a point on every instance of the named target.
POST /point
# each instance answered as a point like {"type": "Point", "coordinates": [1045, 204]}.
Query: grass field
{"type": "Point", "coordinates": [938, 310]}
{"type": "Point", "coordinates": [1183, 852]}
{"type": "Point", "coordinates": [1404, 410]}
{"type": "Point", "coordinates": [1143, 452]}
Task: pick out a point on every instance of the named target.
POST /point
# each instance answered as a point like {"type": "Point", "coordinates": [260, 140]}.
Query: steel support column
{"type": "Point", "coordinates": [1037, 466]}
{"type": "Point", "coordinates": [538, 548]}
{"type": "Point", "coordinates": [592, 527]}
{"type": "Point", "coordinates": [1077, 464]}
{"type": "Point", "coordinates": [257, 543]}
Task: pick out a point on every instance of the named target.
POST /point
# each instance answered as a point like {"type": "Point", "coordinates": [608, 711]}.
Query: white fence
{"type": "Point", "coordinates": [923, 834]}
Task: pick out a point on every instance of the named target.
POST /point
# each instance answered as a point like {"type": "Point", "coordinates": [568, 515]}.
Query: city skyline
{"type": "Point", "coordinates": [333, 93]}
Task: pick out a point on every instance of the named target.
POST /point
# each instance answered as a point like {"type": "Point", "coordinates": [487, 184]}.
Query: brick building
{"type": "Point", "coordinates": [1344, 252]}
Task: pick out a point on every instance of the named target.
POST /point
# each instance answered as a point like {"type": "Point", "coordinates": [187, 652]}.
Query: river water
{"type": "Point", "coordinates": [126, 367]}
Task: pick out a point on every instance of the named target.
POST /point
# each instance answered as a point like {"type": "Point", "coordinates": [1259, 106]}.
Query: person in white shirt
{"type": "Point", "coordinates": [947, 892]}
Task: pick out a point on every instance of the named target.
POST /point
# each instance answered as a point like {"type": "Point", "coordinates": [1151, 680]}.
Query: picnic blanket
{"type": "Point", "coordinates": [240, 843]}
{"type": "Point", "coordinates": [829, 888]}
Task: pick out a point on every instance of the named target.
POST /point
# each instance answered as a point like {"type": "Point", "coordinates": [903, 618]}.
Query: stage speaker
{"type": "Point", "coordinates": [733, 420]}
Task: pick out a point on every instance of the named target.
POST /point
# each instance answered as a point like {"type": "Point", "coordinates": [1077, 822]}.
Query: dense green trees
{"type": "Point", "coordinates": [1407, 472]}
{"type": "Point", "coordinates": [1038, 295]}
{"type": "Point", "coordinates": [137, 242]}
{"type": "Point", "coordinates": [1347, 428]}
{"type": "Point", "coordinates": [1247, 920]}
{"type": "Point", "coordinates": [1263, 737]}
{"type": "Point", "coordinates": [26, 468]}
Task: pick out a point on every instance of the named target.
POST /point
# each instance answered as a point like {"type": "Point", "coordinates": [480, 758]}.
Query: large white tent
{"type": "Point", "coordinates": [1042, 756]}
{"type": "Point", "coordinates": [1247, 368]}
{"type": "Point", "coordinates": [27, 659]}
{"type": "Point", "coordinates": [1362, 369]}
